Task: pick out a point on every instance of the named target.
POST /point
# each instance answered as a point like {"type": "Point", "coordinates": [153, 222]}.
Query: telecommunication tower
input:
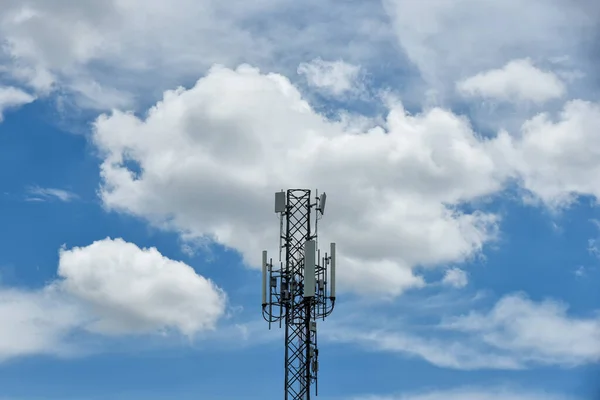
{"type": "Point", "coordinates": [300, 289]}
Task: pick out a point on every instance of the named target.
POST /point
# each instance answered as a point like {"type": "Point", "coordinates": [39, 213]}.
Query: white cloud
{"type": "Point", "coordinates": [241, 135]}
{"type": "Point", "coordinates": [517, 333]}
{"type": "Point", "coordinates": [91, 95]}
{"type": "Point", "coordinates": [11, 97]}
{"type": "Point", "coordinates": [449, 41]}
{"type": "Point", "coordinates": [42, 194]}
{"type": "Point", "coordinates": [135, 290]}
{"type": "Point", "coordinates": [534, 332]}
{"type": "Point", "coordinates": [518, 81]}
{"type": "Point", "coordinates": [35, 322]}
{"type": "Point", "coordinates": [212, 156]}
{"type": "Point", "coordinates": [110, 287]}
{"type": "Point", "coordinates": [556, 159]}
{"type": "Point", "coordinates": [116, 48]}
{"type": "Point", "coordinates": [455, 277]}
{"type": "Point", "coordinates": [445, 353]}
{"type": "Point", "coordinates": [333, 77]}
{"type": "Point", "coordinates": [473, 393]}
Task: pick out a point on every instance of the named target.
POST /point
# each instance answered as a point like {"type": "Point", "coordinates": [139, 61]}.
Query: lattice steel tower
{"type": "Point", "coordinates": [301, 289]}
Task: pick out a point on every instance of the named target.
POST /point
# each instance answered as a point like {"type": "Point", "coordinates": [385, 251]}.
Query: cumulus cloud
{"type": "Point", "coordinates": [455, 277]}
{"type": "Point", "coordinates": [516, 333]}
{"type": "Point", "coordinates": [11, 97]}
{"type": "Point", "coordinates": [211, 157]}
{"type": "Point", "coordinates": [556, 159]}
{"type": "Point", "coordinates": [517, 81]}
{"type": "Point", "coordinates": [135, 290]}
{"type": "Point", "coordinates": [332, 77]}
{"type": "Point", "coordinates": [110, 287]}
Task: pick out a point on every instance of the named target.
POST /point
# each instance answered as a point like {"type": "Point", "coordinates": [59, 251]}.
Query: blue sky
{"type": "Point", "coordinates": [140, 147]}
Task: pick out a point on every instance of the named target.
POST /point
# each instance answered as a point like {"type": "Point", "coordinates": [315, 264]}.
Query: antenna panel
{"type": "Point", "coordinates": [310, 249]}
{"type": "Point", "coordinates": [280, 202]}
{"type": "Point", "coordinates": [332, 269]}
{"type": "Point", "coordinates": [264, 277]}
{"type": "Point", "coordinates": [322, 201]}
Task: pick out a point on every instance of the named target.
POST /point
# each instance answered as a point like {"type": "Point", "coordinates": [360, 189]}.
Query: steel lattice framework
{"type": "Point", "coordinates": [296, 300]}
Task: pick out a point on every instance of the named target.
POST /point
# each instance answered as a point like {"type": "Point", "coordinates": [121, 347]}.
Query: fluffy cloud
{"type": "Point", "coordinates": [333, 77]}
{"type": "Point", "coordinates": [211, 158]}
{"type": "Point", "coordinates": [134, 290]}
{"type": "Point", "coordinates": [110, 287]}
{"type": "Point", "coordinates": [518, 81]}
{"type": "Point", "coordinates": [556, 159]}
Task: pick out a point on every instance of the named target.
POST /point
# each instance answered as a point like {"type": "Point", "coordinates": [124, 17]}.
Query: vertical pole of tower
{"type": "Point", "coordinates": [307, 346]}
{"type": "Point", "coordinates": [307, 303]}
{"type": "Point", "coordinates": [297, 322]}
{"type": "Point", "coordinates": [288, 312]}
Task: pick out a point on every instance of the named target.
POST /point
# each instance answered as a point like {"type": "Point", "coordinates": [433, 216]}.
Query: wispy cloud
{"type": "Point", "coordinates": [36, 193]}
{"type": "Point", "coordinates": [472, 393]}
{"type": "Point", "coordinates": [446, 352]}
{"type": "Point", "coordinates": [335, 78]}
{"type": "Point", "coordinates": [580, 271]}
{"type": "Point", "coordinates": [516, 333]}
{"type": "Point", "coordinates": [455, 277]}
{"type": "Point", "coordinates": [11, 97]}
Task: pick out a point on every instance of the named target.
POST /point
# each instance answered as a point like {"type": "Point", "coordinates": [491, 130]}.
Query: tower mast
{"type": "Point", "coordinates": [301, 289]}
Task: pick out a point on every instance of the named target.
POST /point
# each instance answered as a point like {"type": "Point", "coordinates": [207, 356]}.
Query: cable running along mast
{"type": "Point", "coordinates": [299, 290]}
